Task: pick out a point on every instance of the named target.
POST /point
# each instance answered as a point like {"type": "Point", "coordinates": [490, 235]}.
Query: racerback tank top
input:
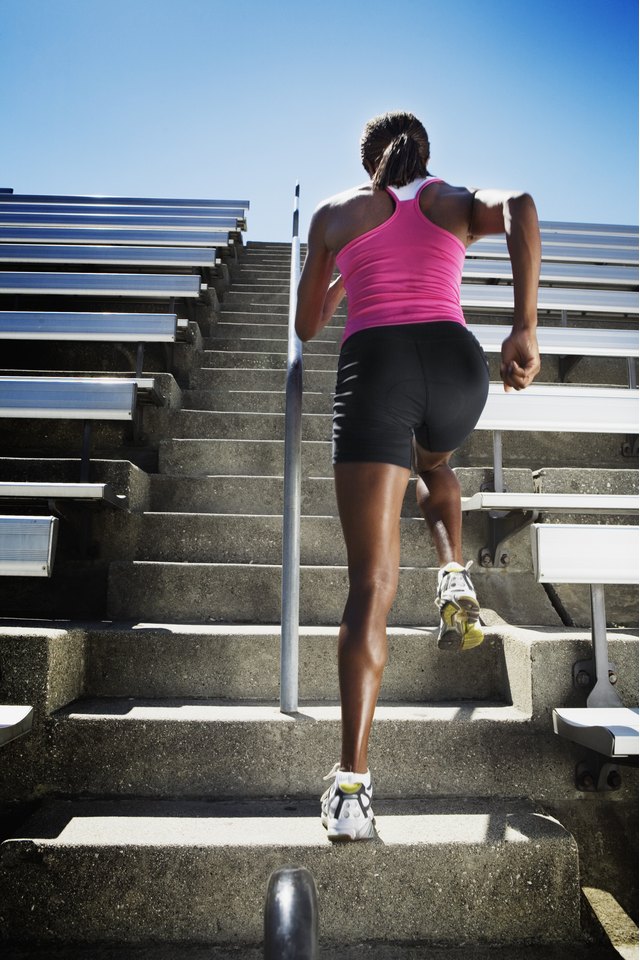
{"type": "Point", "coordinates": [406, 270]}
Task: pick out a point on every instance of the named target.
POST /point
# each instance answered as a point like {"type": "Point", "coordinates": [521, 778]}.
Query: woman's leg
{"type": "Point", "coordinates": [369, 499]}
{"type": "Point", "coordinates": [438, 496]}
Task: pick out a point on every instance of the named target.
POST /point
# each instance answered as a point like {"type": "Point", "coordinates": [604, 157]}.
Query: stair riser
{"type": "Point", "coordinates": [246, 665]}
{"type": "Point", "coordinates": [258, 539]}
{"type": "Point", "coordinates": [253, 494]}
{"type": "Point", "coordinates": [248, 593]}
{"type": "Point", "coordinates": [457, 756]}
{"type": "Point", "coordinates": [215, 894]}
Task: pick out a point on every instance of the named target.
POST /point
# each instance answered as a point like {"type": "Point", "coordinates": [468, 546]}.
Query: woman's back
{"type": "Point", "coordinates": [406, 269]}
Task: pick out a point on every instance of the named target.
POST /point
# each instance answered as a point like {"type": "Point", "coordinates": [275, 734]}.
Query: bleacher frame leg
{"type": "Point", "coordinates": [603, 694]}
{"type": "Point", "coordinates": [498, 472]}
{"type": "Point", "coordinates": [86, 452]}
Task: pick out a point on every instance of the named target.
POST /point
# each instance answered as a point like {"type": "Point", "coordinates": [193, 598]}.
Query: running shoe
{"type": "Point", "coordinates": [459, 609]}
{"type": "Point", "coordinates": [346, 806]}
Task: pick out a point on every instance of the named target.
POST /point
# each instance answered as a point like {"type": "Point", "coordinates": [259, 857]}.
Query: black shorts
{"type": "Point", "coordinates": [428, 380]}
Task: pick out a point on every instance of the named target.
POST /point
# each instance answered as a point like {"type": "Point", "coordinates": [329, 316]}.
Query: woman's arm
{"type": "Point", "coordinates": [515, 215]}
{"type": "Point", "coordinates": [318, 298]}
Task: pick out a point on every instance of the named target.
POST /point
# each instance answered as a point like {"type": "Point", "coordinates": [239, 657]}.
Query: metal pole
{"type": "Point", "coordinates": [292, 481]}
{"type": "Point", "coordinates": [603, 694]}
{"type": "Point", "coordinates": [291, 915]}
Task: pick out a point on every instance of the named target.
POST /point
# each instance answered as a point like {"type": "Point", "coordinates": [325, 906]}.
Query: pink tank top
{"type": "Point", "coordinates": [407, 270]}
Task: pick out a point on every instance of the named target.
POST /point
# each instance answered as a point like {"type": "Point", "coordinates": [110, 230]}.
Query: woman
{"type": "Point", "coordinates": [412, 383]}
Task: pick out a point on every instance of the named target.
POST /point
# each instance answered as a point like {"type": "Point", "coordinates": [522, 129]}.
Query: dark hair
{"type": "Point", "coordinates": [394, 149]}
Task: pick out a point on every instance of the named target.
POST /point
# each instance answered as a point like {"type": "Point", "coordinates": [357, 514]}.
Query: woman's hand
{"type": "Point", "coordinates": [520, 359]}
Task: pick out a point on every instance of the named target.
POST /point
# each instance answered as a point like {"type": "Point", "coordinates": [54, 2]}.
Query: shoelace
{"type": "Point", "coordinates": [458, 579]}
{"type": "Point", "coordinates": [330, 776]}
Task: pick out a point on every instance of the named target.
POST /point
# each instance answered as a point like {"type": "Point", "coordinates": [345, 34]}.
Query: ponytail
{"type": "Point", "coordinates": [399, 164]}
{"type": "Point", "coordinates": [394, 150]}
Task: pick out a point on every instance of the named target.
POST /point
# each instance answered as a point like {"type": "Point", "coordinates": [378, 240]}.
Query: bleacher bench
{"type": "Point", "coordinates": [120, 235]}
{"type": "Point", "coordinates": [136, 285]}
{"type": "Point", "coordinates": [187, 257]}
{"type": "Point", "coordinates": [567, 274]}
{"type": "Point", "coordinates": [100, 200]}
{"type": "Point", "coordinates": [27, 546]}
{"type": "Point", "coordinates": [92, 493]}
{"type": "Point", "coordinates": [148, 220]}
{"type": "Point", "coordinates": [594, 555]}
{"type": "Point", "coordinates": [103, 327]}
{"type": "Point", "coordinates": [15, 721]}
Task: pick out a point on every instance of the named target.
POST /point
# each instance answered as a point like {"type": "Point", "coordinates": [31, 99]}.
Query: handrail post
{"type": "Point", "coordinates": [290, 610]}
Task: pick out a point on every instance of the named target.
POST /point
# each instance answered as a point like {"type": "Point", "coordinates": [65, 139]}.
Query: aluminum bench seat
{"type": "Point", "coordinates": [509, 513]}
{"type": "Point", "coordinates": [559, 251]}
{"type": "Point", "coordinates": [116, 255]}
{"type": "Point", "coordinates": [133, 221]}
{"type": "Point", "coordinates": [595, 229]}
{"type": "Point", "coordinates": [15, 721]}
{"type": "Point", "coordinates": [122, 209]}
{"type": "Point", "coordinates": [137, 285]}
{"type": "Point", "coordinates": [594, 555]}
{"type": "Point", "coordinates": [575, 274]}
{"type": "Point", "coordinates": [94, 493]}
{"type": "Point", "coordinates": [611, 731]}
{"type": "Point", "coordinates": [73, 398]}
{"type": "Point", "coordinates": [567, 299]}
{"type": "Point", "coordinates": [27, 546]}
{"type": "Point", "coordinates": [565, 341]}
{"type": "Point", "coordinates": [120, 235]}
{"type": "Point", "coordinates": [123, 201]}
{"type": "Point", "coordinates": [583, 503]}
{"type": "Point", "coordinates": [561, 407]}
{"type": "Point", "coordinates": [102, 327]}
{"type": "Point", "coordinates": [577, 238]}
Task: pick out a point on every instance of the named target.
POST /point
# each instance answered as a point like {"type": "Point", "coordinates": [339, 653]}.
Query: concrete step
{"type": "Point", "coordinates": [226, 661]}
{"type": "Point", "coordinates": [390, 950]}
{"type": "Point", "coordinates": [197, 872]}
{"type": "Point", "coordinates": [222, 379]}
{"type": "Point", "coordinates": [232, 425]}
{"type": "Point", "coordinates": [262, 359]}
{"type": "Point", "coordinates": [255, 494]}
{"type": "Point", "coordinates": [266, 457]}
{"type": "Point", "coordinates": [182, 537]}
{"type": "Point", "coordinates": [251, 593]}
{"type": "Point", "coordinates": [253, 401]}
{"type": "Point", "coordinates": [219, 749]}
{"type": "Point", "coordinates": [243, 344]}
{"type": "Point", "coordinates": [197, 458]}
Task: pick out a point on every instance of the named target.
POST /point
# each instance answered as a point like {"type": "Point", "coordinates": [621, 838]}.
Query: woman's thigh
{"type": "Point", "coordinates": [369, 497]}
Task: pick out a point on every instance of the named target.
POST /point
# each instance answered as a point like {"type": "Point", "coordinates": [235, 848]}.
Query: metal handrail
{"type": "Point", "coordinates": [290, 609]}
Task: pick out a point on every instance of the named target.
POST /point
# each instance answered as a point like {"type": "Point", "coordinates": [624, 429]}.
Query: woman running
{"type": "Point", "coordinates": [412, 383]}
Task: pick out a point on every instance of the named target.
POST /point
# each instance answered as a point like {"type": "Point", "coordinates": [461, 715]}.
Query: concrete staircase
{"type": "Point", "coordinates": [164, 783]}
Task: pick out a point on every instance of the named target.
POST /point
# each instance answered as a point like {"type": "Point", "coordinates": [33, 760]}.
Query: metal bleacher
{"type": "Point", "coordinates": [150, 236]}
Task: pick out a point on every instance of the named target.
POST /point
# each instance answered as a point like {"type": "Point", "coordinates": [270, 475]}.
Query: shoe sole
{"type": "Point", "coordinates": [337, 835]}
{"type": "Point", "coordinates": [464, 611]}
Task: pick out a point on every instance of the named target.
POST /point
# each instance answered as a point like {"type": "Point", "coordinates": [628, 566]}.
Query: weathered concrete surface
{"type": "Point", "coordinates": [251, 593]}
{"type": "Point", "coordinates": [198, 872]}
{"type": "Point", "coordinates": [218, 749]}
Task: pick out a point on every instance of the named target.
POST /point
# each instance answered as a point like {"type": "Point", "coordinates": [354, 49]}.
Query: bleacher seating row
{"type": "Point", "coordinates": [102, 225]}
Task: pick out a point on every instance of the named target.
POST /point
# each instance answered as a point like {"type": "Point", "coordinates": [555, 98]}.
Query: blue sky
{"type": "Point", "coordinates": [238, 99]}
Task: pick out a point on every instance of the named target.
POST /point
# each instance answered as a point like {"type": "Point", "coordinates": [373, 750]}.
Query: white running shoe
{"type": "Point", "coordinates": [459, 609]}
{"type": "Point", "coordinates": [346, 806]}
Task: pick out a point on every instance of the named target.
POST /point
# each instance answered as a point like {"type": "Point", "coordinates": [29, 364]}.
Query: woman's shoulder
{"type": "Point", "coordinates": [346, 197]}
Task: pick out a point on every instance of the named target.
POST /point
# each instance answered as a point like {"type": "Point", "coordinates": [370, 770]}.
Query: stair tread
{"type": "Point", "coordinates": [291, 823]}
{"type": "Point", "coordinates": [183, 709]}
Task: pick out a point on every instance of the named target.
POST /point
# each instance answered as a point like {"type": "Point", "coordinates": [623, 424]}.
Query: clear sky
{"type": "Point", "coordinates": [239, 98]}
